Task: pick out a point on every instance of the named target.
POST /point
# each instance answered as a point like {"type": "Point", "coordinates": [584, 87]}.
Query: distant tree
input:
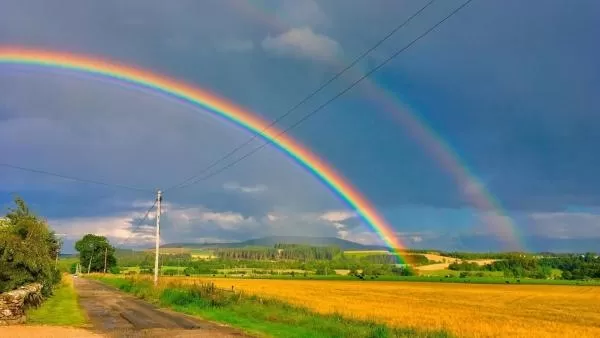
{"type": "Point", "coordinates": [92, 249]}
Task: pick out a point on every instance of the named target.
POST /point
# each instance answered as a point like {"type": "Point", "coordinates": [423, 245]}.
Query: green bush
{"type": "Point", "coordinates": [170, 272]}
{"type": "Point", "coordinates": [28, 250]}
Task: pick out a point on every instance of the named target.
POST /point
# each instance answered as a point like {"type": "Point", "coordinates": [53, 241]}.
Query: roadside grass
{"type": "Point", "coordinates": [64, 263]}
{"type": "Point", "coordinates": [258, 315]}
{"type": "Point", "coordinates": [61, 308]}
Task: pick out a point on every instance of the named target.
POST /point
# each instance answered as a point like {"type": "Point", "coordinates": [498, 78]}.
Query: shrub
{"type": "Point", "coordinates": [28, 249]}
{"type": "Point", "coordinates": [170, 272]}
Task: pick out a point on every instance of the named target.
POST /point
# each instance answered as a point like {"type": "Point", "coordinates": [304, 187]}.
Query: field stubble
{"type": "Point", "coordinates": [473, 310]}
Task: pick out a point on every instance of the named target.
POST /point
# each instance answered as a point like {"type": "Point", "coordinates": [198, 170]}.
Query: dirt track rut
{"type": "Point", "coordinates": [117, 314]}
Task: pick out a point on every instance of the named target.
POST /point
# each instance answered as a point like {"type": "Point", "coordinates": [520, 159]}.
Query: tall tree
{"type": "Point", "coordinates": [92, 251]}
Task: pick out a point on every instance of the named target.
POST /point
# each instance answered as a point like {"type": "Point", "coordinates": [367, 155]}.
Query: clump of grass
{"type": "Point", "coordinates": [258, 314]}
{"type": "Point", "coordinates": [62, 308]}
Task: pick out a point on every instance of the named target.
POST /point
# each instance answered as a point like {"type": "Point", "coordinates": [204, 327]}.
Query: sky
{"type": "Point", "coordinates": [508, 90]}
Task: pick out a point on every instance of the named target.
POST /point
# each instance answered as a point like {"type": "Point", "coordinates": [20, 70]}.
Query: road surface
{"type": "Point", "coordinates": [117, 314]}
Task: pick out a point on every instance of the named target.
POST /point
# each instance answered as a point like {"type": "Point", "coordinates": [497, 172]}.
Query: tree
{"type": "Point", "coordinates": [92, 250]}
{"type": "Point", "coordinates": [28, 250]}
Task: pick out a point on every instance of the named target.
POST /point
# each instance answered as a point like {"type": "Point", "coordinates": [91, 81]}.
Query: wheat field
{"type": "Point", "coordinates": [467, 310]}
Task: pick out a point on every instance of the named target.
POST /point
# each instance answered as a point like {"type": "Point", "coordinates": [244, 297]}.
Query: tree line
{"type": "Point", "coordinates": [280, 252]}
{"type": "Point", "coordinates": [572, 266]}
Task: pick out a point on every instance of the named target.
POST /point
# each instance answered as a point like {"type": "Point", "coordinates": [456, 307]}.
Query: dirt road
{"type": "Point", "coordinates": [117, 314]}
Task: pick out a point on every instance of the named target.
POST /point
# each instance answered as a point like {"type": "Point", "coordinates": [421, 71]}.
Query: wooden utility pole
{"type": "Point", "coordinates": [90, 264]}
{"type": "Point", "coordinates": [91, 257]}
{"type": "Point", "coordinates": [157, 239]}
{"type": "Point", "coordinates": [105, 256]}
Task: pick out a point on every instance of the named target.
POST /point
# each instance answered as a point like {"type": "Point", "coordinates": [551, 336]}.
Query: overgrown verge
{"type": "Point", "coordinates": [61, 308]}
{"type": "Point", "coordinates": [255, 314]}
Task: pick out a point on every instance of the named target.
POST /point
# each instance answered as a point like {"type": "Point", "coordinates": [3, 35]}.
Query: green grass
{"type": "Point", "coordinates": [64, 263]}
{"type": "Point", "coordinates": [125, 269]}
{"type": "Point", "coordinates": [454, 273]}
{"type": "Point", "coordinates": [259, 316]}
{"type": "Point", "coordinates": [61, 308]}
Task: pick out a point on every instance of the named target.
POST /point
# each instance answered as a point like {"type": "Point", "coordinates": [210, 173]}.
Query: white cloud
{"type": "Point", "coordinates": [185, 219]}
{"type": "Point", "coordinates": [274, 217]}
{"type": "Point", "coordinates": [117, 228]}
{"type": "Point", "coordinates": [416, 239]}
{"type": "Point", "coordinates": [364, 237]}
{"type": "Point", "coordinates": [337, 215]}
{"type": "Point", "coordinates": [199, 223]}
{"type": "Point", "coordinates": [234, 186]}
{"type": "Point", "coordinates": [303, 43]}
{"type": "Point", "coordinates": [236, 45]}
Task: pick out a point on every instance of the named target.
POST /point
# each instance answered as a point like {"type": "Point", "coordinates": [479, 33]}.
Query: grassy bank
{"type": "Point", "coordinates": [61, 308]}
{"type": "Point", "coordinates": [254, 314]}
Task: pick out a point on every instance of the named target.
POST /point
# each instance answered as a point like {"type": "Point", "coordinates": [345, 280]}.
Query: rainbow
{"type": "Point", "coordinates": [209, 101]}
{"type": "Point", "coordinates": [495, 217]}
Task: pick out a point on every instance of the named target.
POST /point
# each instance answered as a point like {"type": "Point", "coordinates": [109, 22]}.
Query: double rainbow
{"type": "Point", "coordinates": [209, 101]}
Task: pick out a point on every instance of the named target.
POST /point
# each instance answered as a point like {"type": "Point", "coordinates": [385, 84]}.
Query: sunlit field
{"type": "Point", "coordinates": [464, 309]}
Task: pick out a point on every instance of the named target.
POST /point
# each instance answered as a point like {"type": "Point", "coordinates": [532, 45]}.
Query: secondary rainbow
{"type": "Point", "coordinates": [218, 105]}
{"type": "Point", "coordinates": [495, 217]}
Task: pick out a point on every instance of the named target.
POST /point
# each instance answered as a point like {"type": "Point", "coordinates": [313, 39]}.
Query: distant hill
{"type": "Point", "coordinates": [272, 240]}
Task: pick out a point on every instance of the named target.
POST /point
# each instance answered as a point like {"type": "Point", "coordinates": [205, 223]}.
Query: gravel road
{"type": "Point", "coordinates": [116, 314]}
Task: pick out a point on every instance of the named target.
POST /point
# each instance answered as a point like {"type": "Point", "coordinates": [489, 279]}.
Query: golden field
{"type": "Point", "coordinates": [469, 310]}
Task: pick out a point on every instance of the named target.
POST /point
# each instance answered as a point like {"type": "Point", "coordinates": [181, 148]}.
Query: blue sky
{"type": "Point", "coordinates": [511, 86]}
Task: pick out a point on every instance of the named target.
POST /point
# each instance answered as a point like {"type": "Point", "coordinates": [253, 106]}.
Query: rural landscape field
{"type": "Point", "coordinates": [467, 310]}
{"type": "Point", "coordinates": [299, 169]}
{"type": "Point", "coordinates": [300, 286]}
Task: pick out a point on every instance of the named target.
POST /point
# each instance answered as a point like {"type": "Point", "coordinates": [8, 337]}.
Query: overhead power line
{"type": "Point", "coordinates": [72, 178]}
{"type": "Point", "coordinates": [326, 103]}
{"type": "Point", "coordinates": [305, 99]}
{"type": "Point", "coordinates": [140, 222]}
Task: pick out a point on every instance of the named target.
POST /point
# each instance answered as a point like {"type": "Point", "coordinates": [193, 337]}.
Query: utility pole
{"type": "Point", "coordinates": [91, 257]}
{"type": "Point", "coordinates": [179, 260]}
{"type": "Point", "coordinates": [157, 239]}
{"type": "Point", "coordinates": [105, 255]}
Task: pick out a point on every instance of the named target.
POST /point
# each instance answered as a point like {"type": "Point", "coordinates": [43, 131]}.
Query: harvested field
{"type": "Point", "coordinates": [446, 261]}
{"type": "Point", "coordinates": [471, 310]}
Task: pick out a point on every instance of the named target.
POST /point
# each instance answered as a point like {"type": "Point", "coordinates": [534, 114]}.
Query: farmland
{"type": "Point", "coordinates": [258, 315]}
{"type": "Point", "coordinates": [514, 310]}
